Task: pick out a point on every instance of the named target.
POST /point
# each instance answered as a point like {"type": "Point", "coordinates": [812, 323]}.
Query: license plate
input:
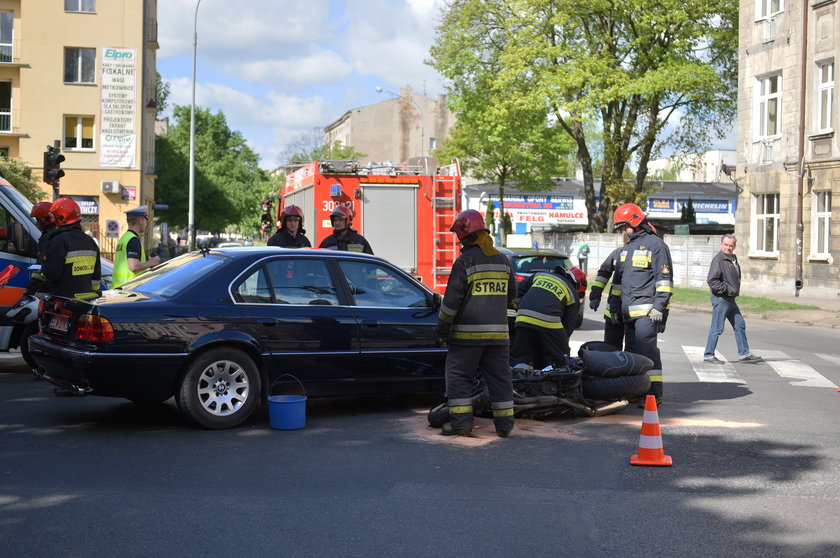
{"type": "Point", "coordinates": [58, 323]}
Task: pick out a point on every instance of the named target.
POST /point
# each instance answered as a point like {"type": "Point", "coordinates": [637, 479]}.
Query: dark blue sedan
{"type": "Point", "coordinates": [216, 328]}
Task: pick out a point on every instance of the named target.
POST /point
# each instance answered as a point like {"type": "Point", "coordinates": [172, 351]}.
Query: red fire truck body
{"type": "Point", "coordinates": [404, 216]}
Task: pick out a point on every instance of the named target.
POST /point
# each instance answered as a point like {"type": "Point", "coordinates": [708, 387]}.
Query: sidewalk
{"type": "Point", "coordinates": [828, 314]}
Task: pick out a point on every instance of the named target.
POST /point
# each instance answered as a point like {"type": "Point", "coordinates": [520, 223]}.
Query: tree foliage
{"type": "Point", "coordinates": [312, 146]}
{"type": "Point", "coordinates": [633, 67]}
{"type": "Point", "coordinates": [688, 215]}
{"type": "Point", "coordinates": [161, 95]}
{"type": "Point", "coordinates": [19, 175]}
{"type": "Point", "coordinates": [229, 185]}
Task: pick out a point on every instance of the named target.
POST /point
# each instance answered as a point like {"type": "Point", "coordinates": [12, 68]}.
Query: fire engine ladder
{"type": "Point", "coordinates": [445, 209]}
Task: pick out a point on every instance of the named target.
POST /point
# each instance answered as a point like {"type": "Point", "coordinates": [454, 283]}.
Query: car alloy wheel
{"type": "Point", "coordinates": [220, 389]}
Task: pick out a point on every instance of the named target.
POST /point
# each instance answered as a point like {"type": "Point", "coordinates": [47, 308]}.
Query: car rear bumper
{"type": "Point", "coordinates": [152, 376]}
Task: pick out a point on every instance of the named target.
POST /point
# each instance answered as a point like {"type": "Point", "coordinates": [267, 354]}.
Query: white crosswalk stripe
{"type": "Point", "coordinates": [712, 373]}
{"type": "Point", "coordinates": [801, 374]}
{"type": "Point", "coordinates": [834, 359]}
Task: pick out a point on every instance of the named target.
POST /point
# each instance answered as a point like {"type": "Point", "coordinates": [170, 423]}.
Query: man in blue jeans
{"type": "Point", "coordinates": [724, 280]}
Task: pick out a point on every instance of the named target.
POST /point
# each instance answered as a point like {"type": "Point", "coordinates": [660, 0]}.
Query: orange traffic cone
{"type": "Point", "coordinates": [651, 451]}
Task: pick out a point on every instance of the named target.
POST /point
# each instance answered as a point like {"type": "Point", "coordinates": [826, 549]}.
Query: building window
{"type": "Point", "coordinates": [821, 224]}
{"type": "Point", "coordinates": [825, 105]}
{"type": "Point", "coordinates": [79, 65]}
{"type": "Point", "coordinates": [766, 224]}
{"type": "Point", "coordinates": [88, 6]}
{"type": "Point", "coordinates": [768, 8]}
{"type": "Point", "coordinates": [769, 100]}
{"type": "Point", "coordinates": [6, 30]}
{"type": "Point", "coordinates": [432, 144]}
{"type": "Point", "coordinates": [5, 106]}
{"type": "Point", "coordinates": [78, 132]}
{"type": "Point", "coordinates": [4, 152]}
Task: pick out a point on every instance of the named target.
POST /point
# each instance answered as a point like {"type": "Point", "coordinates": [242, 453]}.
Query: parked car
{"type": "Point", "coordinates": [526, 261]}
{"type": "Point", "coordinates": [217, 328]}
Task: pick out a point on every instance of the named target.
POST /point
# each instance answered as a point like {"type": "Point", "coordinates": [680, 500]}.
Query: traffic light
{"type": "Point", "coordinates": [52, 165]}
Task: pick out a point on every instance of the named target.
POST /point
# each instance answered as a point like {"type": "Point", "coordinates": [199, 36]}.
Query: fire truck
{"type": "Point", "coordinates": [403, 214]}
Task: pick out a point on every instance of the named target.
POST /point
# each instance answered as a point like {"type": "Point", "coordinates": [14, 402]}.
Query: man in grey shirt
{"type": "Point", "coordinates": [724, 280]}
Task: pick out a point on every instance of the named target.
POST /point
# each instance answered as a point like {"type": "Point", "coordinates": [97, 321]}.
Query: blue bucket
{"type": "Point", "coordinates": [287, 412]}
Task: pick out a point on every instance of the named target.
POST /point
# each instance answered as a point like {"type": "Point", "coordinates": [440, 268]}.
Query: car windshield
{"type": "Point", "coordinates": [18, 199]}
{"type": "Point", "coordinates": [173, 276]}
{"type": "Point", "coordinates": [532, 263]}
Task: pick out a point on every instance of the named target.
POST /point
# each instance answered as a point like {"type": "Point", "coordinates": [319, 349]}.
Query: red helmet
{"type": "Point", "coordinates": [66, 211]}
{"type": "Point", "coordinates": [468, 222]}
{"type": "Point", "coordinates": [628, 214]}
{"type": "Point", "coordinates": [41, 212]}
{"type": "Point", "coordinates": [291, 211]}
{"type": "Point", "coordinates": [341, 211]}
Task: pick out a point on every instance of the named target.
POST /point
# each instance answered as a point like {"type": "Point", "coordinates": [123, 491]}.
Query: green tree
{"type": "Point", "coordinates": [161, 95]}
{"type": "Point", "coordinates": [229, 184]}
{"type": "Point", "coordinates": [688, 215]}
{"type": "Point", "coordinates": [631, 67]}
{"type": "Point", "coordinates": [19, 175]}
{"type": "Point", "coordinates": [312, 146]}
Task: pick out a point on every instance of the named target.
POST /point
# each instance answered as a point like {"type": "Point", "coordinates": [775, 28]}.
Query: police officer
{"type": "Point", "coordinates": [71, 260]}
{"type": "Point", "coordinates": [343, 236]}
{"type": "Point", "coordinates": [545, 318]}
{"type": "Point", "coordinates": [645, 272]}
{"type": "Point", "coordinates": [130, 257]}
{"type": "Point", "coordinates": [45, 222]}
{"type": "Point", "coordinates": [291, 233]}
{"type": "Point", "coordinates": [473, 321]}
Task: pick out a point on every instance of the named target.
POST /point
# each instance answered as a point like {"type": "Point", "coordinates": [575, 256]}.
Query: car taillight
{"type": "Point", "coordinates": [519, 277]}
{"type": "Point", "coordinates": [94, 328]}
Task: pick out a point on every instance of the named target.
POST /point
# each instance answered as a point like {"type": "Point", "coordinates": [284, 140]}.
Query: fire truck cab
{"type": "Point", "coordinates": [404, 215]}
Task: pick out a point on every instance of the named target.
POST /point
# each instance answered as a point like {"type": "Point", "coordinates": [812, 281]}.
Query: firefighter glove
{"type": "Point", "coordinates": [594, 303]}
{"type": "Point", "coordinates": [614, 317]}
{"type": "Point", "coordinates": [655, 316]}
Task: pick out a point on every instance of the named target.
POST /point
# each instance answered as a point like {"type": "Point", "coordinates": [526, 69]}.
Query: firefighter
{"type": "Point", "coordinates": [473, 321]}
{"type": "Point", "coordinates": [645, 272]}
{"type": "Point", "coordinates": [71, 260]}
{"type": "Point", "coordinates": [290, 233]}
{"type": "Point", "coordinates": [545, 318]}
{"type": "Point", "coordinates": [130, 257]}
{"type": "Point", "coordinates": [613, 324]}
{"type": "Point", "coordinates": [45, 222]}
{"type": "Point", "coordinates": [343, 236]}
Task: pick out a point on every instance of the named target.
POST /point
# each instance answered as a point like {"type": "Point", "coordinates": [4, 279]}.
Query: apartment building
{"type": "Point", "coordinates": [787, 221]}
{"type": "Point", "coordinates": [82, 73]}
{"type": "Point", "coordinates": [403, 127]}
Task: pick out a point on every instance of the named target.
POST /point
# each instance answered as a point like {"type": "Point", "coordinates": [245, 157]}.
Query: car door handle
{"type": "Point", "coordinates": [267, 322]}
{"type": "Point", "coordinates": [371, 323]}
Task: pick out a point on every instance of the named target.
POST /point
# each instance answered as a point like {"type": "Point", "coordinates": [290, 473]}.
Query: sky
{"type": "Point", "coordinates": [279, 68]}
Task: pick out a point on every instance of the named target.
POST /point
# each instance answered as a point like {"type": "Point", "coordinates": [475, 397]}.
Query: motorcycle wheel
{"type": "Point", "coordinates": [614, 389]}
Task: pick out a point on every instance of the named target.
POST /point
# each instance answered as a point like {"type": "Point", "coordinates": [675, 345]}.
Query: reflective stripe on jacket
{"type": "Point", "coordinates": [71, 264]}
{"type": "Point", "coordinates": [474, 308]}
{"type": "Point", "coordinates": [548, 301]}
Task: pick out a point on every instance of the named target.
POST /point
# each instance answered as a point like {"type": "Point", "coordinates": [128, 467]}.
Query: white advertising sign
{"type": "Point", "coordinates": [118, 107]}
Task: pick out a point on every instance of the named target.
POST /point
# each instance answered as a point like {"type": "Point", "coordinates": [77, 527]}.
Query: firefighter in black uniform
{"type": "Point", "coordinates": [343, 236]}
{"type": "Point", "coordinates": [545, 318]}
{"type": "Point", "coordinates": [473, 321]}
{"type": "Point", "coordinates": [45, 222]}
{"type": "Point", "coordinates": [645, 272]}
{"type": "Point", "coordinates": [291, 233]}
{"type": "Point", "coordinates": [71, 263]}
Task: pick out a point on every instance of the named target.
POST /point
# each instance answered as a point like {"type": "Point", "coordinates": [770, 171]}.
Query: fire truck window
{"type": "Point", "coordinates": [374, 285]}
{"type": "Point", "coordinates": [302, 281]}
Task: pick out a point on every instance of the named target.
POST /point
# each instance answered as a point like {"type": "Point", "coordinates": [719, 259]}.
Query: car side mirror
{"type": "Point", "coordinates": [437, 300]}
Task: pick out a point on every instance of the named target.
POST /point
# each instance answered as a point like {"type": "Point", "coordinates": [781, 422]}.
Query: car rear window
{"type": "Point", "coordinates": [173, 276]}
{"type": "Point", "coordinates": [530, 264]}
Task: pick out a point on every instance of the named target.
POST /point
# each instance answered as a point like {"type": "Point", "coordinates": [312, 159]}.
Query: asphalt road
{"type": "Point", "coordinates": [755, 471]}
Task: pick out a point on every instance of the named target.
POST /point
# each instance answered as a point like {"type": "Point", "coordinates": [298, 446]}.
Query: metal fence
{"type": "Point", "coordinates": [691, 254]}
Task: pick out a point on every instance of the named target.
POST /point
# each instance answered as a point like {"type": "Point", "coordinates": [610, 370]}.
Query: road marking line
{"type": "Point", "coordinates": [712, 373]}
{"type": "Point", "coordinates": [835, 359]}
{"type": "Point", "coordinates": [800, 373]}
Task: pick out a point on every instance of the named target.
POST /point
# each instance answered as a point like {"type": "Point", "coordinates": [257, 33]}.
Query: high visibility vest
{"type": "Point", "coordinates": [121, 271]}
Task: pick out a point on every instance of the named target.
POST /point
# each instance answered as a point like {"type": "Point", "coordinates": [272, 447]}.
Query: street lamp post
{"type": "Point", "coordinates": [419, 110]}
{"type": "Point", "coordinates": [191, 217]}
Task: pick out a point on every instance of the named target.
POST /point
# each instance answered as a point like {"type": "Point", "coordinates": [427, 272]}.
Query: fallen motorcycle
{"type": "Point", "coordinates": [600, 381]}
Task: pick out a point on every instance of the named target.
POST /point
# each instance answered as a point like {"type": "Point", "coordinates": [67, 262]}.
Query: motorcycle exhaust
{"type": "Point", "coordinates": [610, 408]}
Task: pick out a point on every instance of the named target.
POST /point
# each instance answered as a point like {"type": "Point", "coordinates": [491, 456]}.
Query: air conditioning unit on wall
{"type": "Point", "coordinates": [110, 187]}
